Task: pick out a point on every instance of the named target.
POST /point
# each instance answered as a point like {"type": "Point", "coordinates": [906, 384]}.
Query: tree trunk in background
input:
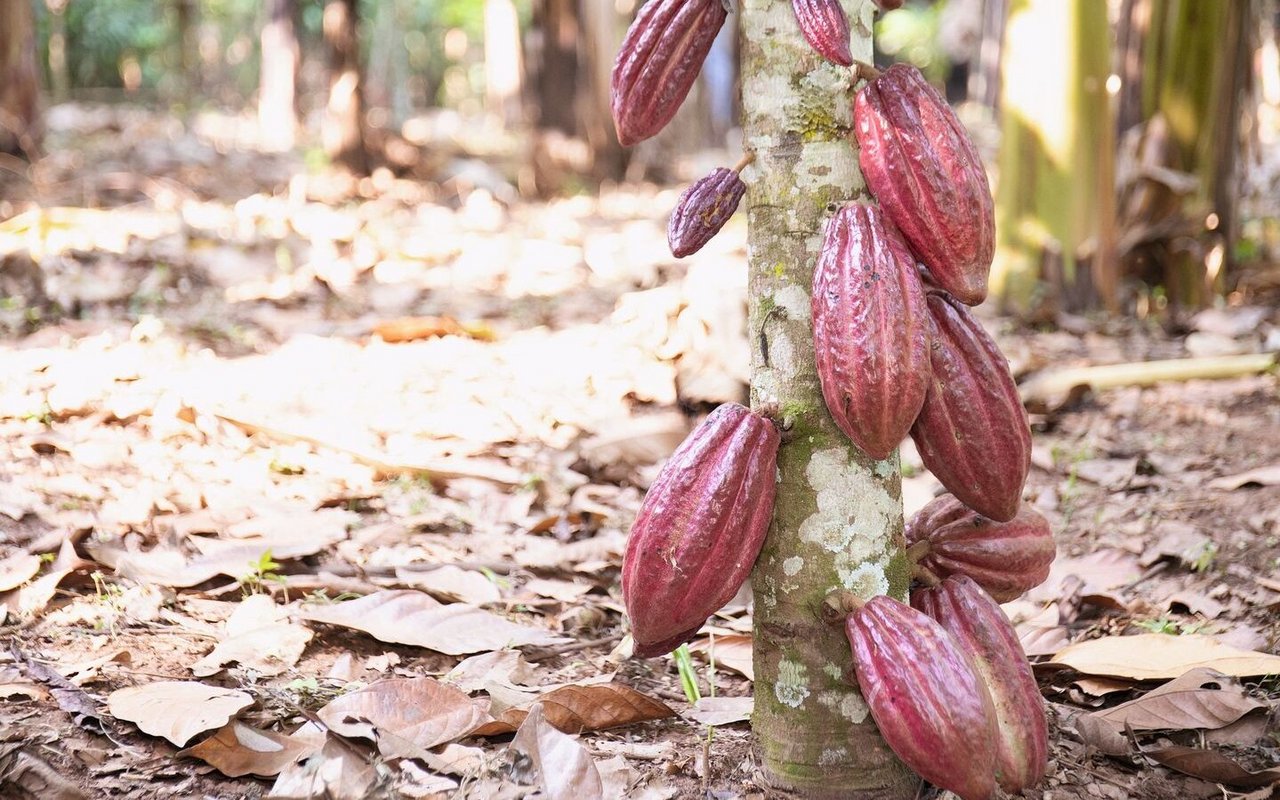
{"type": "Point", "coordinates": [1055, 203]}
{"type": "Point", "coordinates": [599, 45]}
{"type": "Point", "coordinates": [277, 95]}
{"type": "Point", "coordinates": [19, 84]}
{"type": "Point", "coordinates": [984, 73]}
{"type": "Point", "coordinates": [1195, 74]}
{"type": "Point", "coordinates": [344, 135]}
{"type": "Point", "coordinates": [59, 75]}
{"type": "Point", "coordinates": [838, 519]}
{"type": "Point", "coordinates": [189, 82]}
{"type": "Point", "coordinates": [502, 62]}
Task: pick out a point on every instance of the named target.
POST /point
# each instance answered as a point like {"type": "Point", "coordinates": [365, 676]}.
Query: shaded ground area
{"type": "Point", "coordinates": [235, 396]}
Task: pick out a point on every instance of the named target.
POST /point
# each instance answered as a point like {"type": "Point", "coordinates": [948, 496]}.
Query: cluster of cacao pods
{"type": "Point", "coordinates": [945, 678]}
{"type": "Point", "coordinates": [899, 352]}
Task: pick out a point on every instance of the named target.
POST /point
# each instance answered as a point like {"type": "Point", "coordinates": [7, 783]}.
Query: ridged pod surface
{"type": "Point", "coordinates": [700, 528]}
{"type": "Point", "coordinates": [870, 329]}
{"type": "Point", "coordinates": [702, 211]}
{"type": "Point", "coordinates": [1004, 558]}
{"type": "Point", "coordinates": [982, 630]}
{"type": "Point", "coordinates": [972, 432]}
{"type": "Point", "coordinates": [925, 696]}
{"type": "Point", "coordinates": [924, 170]}
{"type": "Point", "coordinates": [826, 28]}
{"type": "Point", "coordinates": [658, 63]}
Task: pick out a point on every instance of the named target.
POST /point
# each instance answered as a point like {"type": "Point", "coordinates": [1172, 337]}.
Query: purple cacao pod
{"type": "Point", "coordinates": [972, 431]}
{"type": "Point", "coordinates": [870, 329]}
{"type": "Point", "coordinates": [925, 696]}
{"type": "Point", "coordinates": [702, 211]}
{"type": "Point", "coordinates": [982, 631]}
{"type": "Point", "coordinates": [826, 28]}
{"type": "Point", "coordinates": [700, 528]}
{"type": "Point", "coordinates": [659, 62]}
{"type": "Point", "coordinates": [1004, 558]}
{"type": "Point", "coordinates": [922, 167]}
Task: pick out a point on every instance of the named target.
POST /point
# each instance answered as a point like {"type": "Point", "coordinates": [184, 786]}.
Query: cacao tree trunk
{"type": "Point", "coordinates": [838, 517]}
{"type": "Point", "coordinates": [19, 87]}
{"type": "Point", "coordinates": [1055, 204]}
{"type": "Point", "coordinates": [343, 132]}
{"type": "Point", "coordinates": [502, 57]}
{"type": "Point", "coordinates": [277, 94]}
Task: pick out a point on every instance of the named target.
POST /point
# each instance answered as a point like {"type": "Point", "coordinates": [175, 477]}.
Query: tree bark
{"type": "Point", "coordinates": [838, 518]}
{"type": "Point", "coordinates": [19, 85]}
{"type": "Point", "coordinates": [277, 95]}
{"type": "Point", "coordinates": [344, 123]}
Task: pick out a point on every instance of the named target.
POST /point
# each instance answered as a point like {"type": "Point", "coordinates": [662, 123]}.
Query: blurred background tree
{"type": "Point", "coordinates": [1132, 143]}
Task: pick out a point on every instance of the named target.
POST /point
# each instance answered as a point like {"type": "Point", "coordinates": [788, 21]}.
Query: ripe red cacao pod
{"type": "Point", "coordinates": [870, 329]}
{"type": "Point", "coordinates": [659, 62]}
{"type": "Point", "coordinates": [702, 211]}
{"type": "Point", "coordinates": [925, 171]}
{"type": "Point", "coordinates": [826, 28]}
{"type": "Point", "coordinates": [925, 696]}
{"type": "Point", "coordinates": [972, 431]}
{"type": "Point", "coordinates": [982, 631]}
{"type": "Point", "coordinates": [700, 528]}
{"type": "Point", "coordinates": [1005, 558]}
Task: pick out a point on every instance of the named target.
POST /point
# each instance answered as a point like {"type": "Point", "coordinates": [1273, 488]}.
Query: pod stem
{"type": "Point", "coordinates": [925, 575]}
{"type": "Point", "coordinates": [865, 72]}
{"type": "Point", "coordinates": [918, 551]}
{"type": "Point", "coordinates": [743, 162]}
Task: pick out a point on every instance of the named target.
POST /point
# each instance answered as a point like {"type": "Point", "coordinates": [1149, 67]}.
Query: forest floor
{"type": "Point", "coordinates": [234, 396]}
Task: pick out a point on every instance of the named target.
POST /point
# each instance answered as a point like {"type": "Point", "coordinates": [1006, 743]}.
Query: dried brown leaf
{"type": "Point", "coordinates": [1212, 766]}
{"type": "Point", "coordinates": [1202, 698]}
{"type": "Point", "coordinates": [17, 569]}
{"type": "Point", "coordinates": [238, 750]}
{"type": "Point", "coordinates": [177, 710]}
{"type": "Point", "coordinates": [413, 618]}
{"type": "Point", "coordinates": [451, 584]}
{"type": "Point", "coordinates": [1155, 656]}
{"type": "Point", "coordinates": [404, 715]}
{"type": "Point", "coordinates": [732, 651]}
{"type": "Point", "coordinates": [565, 767]}
{"type": "Point", "coordinates": [721, 710]}
{"type": "Point", "coordinates": [575, 709]}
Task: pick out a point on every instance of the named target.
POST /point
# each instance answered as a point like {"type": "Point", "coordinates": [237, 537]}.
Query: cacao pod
{"type": "Point", "coordinates": [659, 62]}
{"type": "Point", "coordinates": [703, 210]}
{"type": "Point", "coordinates": [923, 169]}
{"type": "Point", "coordinates": [982, 631]}
{"type": "Point", "coordinates": [870, 329]}
{"type": "Point", "coordinates": [972, 431]}
{"type": "Point", "coordinates": [825, 28]}
{"type": "Point", "coordinates": [1005, 558]}
{"type": "Point", "coordinates": [925, 696]}
{"type": "Point", "coordinates": [888, 5]}
{"type": "Point", "coordinates": [700, 528]}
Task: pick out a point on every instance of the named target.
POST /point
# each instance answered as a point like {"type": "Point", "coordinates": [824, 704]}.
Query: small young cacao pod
{"type": "Point", "coordinates": [870, 329]}
{"type": "Point", "coordinates": [700, 528]}
{"type": "Point", "coordinates": [659, 62]}
{"type": "Point", "coordinates": [702, 211]}
{"type": "Point", "coordinates": [972, 431]}
{"type": "Point", "coordinates": [825, 28]}
{"type": "Point", "coordinates": [924, 170]}
{"type": "Point", "coordinates": [925, 696]}
{"type": "Point", "coordinates": [982, 631]}
{"type": "Point", "coordinates": [1004, 558]}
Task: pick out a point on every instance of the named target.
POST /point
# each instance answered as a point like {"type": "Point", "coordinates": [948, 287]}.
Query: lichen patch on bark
{"type": "Point", "coordinates": [792, 687]}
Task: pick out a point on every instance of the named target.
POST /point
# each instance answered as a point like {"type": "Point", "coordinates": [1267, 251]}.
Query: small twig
{"type": "Point", "coordinates": [559, 650]}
